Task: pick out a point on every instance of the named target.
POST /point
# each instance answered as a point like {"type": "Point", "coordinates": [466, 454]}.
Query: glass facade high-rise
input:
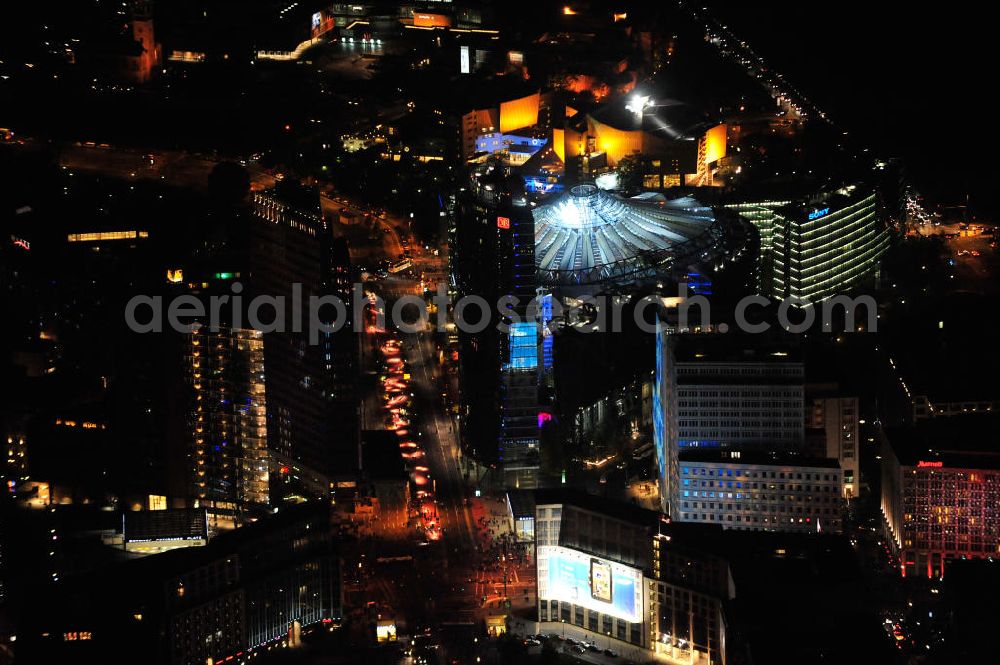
{"type": "Point", "coordinates": [819, 246]}
{"type": "Point", "coordinates": [500, 365]}
{"type": "Point", "coordinates": [290, 250]}
{"type": "Point", "coordinates": [665, 435]}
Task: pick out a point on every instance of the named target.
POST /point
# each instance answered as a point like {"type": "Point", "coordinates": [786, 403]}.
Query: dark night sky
{"type": "Point", "coordinates": [913, 79]}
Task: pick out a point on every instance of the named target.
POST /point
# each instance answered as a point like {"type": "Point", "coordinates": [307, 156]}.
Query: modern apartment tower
{"type": "Point", "coordinates": [281, 253]}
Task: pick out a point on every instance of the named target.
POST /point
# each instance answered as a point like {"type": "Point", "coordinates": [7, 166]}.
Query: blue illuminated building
{"type": "Point", "coordinates": [520, 147]}
{"type": "Point", "coordinates": [665, 439]}
{"type": "Point", "coordinates": [500, 366]}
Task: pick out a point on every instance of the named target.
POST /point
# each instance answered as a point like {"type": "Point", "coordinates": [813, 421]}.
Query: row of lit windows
{"type": "Point", "coordinates": [729, 473]}
{"type": "Point", "coordinates": [106, 235]}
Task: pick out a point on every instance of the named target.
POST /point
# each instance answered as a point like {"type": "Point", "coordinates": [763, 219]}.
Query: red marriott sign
{"type": "Point", "coordinates": [929, 465]}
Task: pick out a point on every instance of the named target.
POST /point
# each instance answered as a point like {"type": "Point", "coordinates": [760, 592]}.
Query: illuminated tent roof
{"type": "Point", "coordinates": [590, 236]}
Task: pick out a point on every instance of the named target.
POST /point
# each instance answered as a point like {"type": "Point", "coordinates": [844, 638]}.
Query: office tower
{"type": "Point", "coordinates": [289, 251]}
{"type": "Point", "coordinates": [723, 391]}
{"type": "Point", "coordinates": [627, 579]}
{"type": "Point", "coordinates": [737, 392]}
{"type": "Point", "coordinates": [227, 424]}
{"type": "Point", "coordinates": [760, 491]}
{"type": "Point", "coordinates": [521, 366]}
{"type": "Point", "coordinates": [499, 369]}
{"type": "Point", "coordinates": [818, 245]}
{"type": "Point", "coordinates": [340, 357]}
{"type": "Point", "coordinates": [832, 432]}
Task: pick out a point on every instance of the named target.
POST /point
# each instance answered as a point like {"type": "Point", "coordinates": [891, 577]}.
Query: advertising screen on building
{"type": "Point", "coordinates": [385, 631]}
{"type": "Point", "coordinates": [464, 60]}
{"type": "Point", "coordinates": [591, 582]}
{"type": "Point", "coordinates": [163, 525]}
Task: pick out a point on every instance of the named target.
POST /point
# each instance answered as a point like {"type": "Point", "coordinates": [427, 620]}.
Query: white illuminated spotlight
{"type": "Point", "coordinates": [637, 104]}
{"type": "Point", "coordinates": [569, 214]}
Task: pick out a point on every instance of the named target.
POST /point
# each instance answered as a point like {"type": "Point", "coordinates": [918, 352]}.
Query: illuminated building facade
{"type": "Point", "coordinates": [227, 424]}
{"type": "Point", "coordinates": [830, 245]}
{"type": "Point", "coordinates": [500, 371]}
{"type": "Point", "coordinates": [128, 51]}
{"type": "Point", "coordinates": [522, 364]}
{"type": "Point", "coordinates": [819, 246]}
{"type": "Point", "coordinates": [625, 579]}
{"type": "Point", "coordinates": [139, 67]}
{"type": "Point", "coordinates": [832, 431]}
{"type": "Point", "coordinates": [504, 118]}
{"type": "Point", "coordinates": [714, 391]}
{"type": "Point", "coordinates": [762, 214]}
{"type": "Point", "coordinates": [734, 397]}
{"type": "Point", "coordinates": [665, 434]}
{"type": "Point", "coordinates": [245, 592]}
{"type": "Point", "coordinates": [760, 491]}
{"type": "Point", "coordinates": [594, 142]}
{"type": "Point", "coordinates": [518, 148]}
{"type": "Point", "coordinates": [941, 492]}
{"type": "Point", "coordinates": [313, 426]}
{"type": "Point", "coordinates": [476, 123]}
{"type": "Point", "coordinates": [283, 252]}
{"type": "Point", "coordinates": [107, 236]}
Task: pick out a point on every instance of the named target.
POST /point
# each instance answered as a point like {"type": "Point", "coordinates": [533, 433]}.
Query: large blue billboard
{"type": "Point", "coordinates": [597, 584]}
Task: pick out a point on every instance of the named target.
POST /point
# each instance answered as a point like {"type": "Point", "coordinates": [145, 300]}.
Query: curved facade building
{"type": "Point", "coordinates": [826, 248]}
{"type": "Point", "coordinates": [816, 247]}
{"type": "Point", "coordinates": [591, 238]}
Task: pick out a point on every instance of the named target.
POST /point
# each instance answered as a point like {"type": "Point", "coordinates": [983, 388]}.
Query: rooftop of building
{"type": "Point", "coordinates": [301, 197]}
{"type": "Point", "coordinates": [965, 442]}
{"type": "Point", "coordinates": [706, 537]}
{"type": "Point", "coordinates": [590, 236]}
{"type": "Point", "coordinates": [769, 458]}
{"type": "Point", "coordinates": [653, 114]}
{"type": "Point", "coordinates": [146, 575]}
{"type": "Point", "coordinates": [821, 202]}
{"type": "Point", "coordinates": [706, 349]}
{"type": "Point", "coordinates": [799, 193]}
{"type": "Point", "coordinates": [522, 503]}
{"type": "Point", "coordinates": [624, 512]}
